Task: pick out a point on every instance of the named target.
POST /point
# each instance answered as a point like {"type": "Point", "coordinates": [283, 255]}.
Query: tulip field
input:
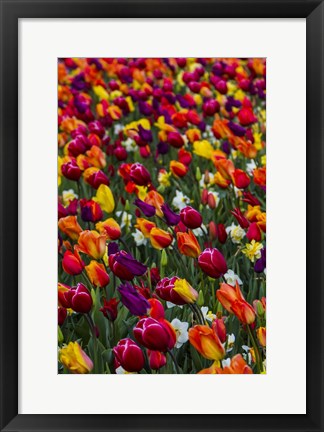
{"type": "Point", "coordinates": [162, 215]}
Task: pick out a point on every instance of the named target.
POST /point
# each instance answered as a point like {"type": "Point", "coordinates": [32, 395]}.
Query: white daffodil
{"type": "Point", "coordinates": [181, 329]}
{"type": "Point", "coordinates": [199, 231]}
{"type": "Point", "coordinates": [231, 278]}
{"type": "Point", "coordinates": [139, 238]}
{"type": "Point", "coordinates": [129, 145]}
{"type": "Point", "coordinates": [68, 196]}
{"type": "Point", "coordinates": [225, 362]}
{"type": "Point", "coordinates": [236, 233]}
{"type": "Point", "coordinates": [230, 342]}
{"type": "Point", "coordinates": [118, 128]}
{"type": "Point", "coordinates": [171, 305]}
{"type": "Point", "coordinates": [125, 218]}
{"type": "Point", "coordinates": [207, 314]}
{"type": "Point", "coordinates": [250, 167]}
{"type": "Point", "coordinates": [247, 354]}
{"type": "Point", "coordinates": [180, 201]}
{"type": "Point", "coordinates": [121, 371]}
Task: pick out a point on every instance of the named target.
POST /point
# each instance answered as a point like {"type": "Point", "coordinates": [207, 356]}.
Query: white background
{"type": "Point", "coordinates": [283, 389]}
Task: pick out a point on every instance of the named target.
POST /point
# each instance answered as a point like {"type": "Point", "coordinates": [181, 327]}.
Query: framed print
{"type": "Point", "coordinates": [151, 155]}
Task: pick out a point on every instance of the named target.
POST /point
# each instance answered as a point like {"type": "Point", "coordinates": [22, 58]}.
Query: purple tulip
{"type": "Point", "coordinates": [237, 129]}
{"type": "Point", "coordinates": [133, 300]}
{"type": "Point", "coordinates": [147, 209]}
{"type": "Point", "coordinates": [261, 263]}
{"type": "Point", "coordinates": [170, 217]}
{"type": "Point", "coordinates": [146, 135]}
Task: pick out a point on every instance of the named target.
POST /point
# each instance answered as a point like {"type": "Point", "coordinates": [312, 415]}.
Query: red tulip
{"type": "Point", "coordinates": [139, 174]}
{"type": "Point", "coordinates": [190, 217]}
{"type": "Point", "coordinates": [156, 359]}
{"type": "Point", "coordinates": [212, 262]}
{"type": "Point", "coordinates": [129, 355]}
{"type": "Point", "coordinates": [157, 335]}
{"type": "Point", "coordinates": [240, 179]}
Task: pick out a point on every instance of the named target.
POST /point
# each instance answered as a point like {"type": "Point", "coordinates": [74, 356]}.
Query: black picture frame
{"type": "Point", "coordinates": [11, 12]}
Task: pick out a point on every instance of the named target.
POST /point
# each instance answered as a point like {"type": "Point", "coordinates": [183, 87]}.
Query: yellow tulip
{"type": "Point", "coordinates": [105, 198]}
{"type": "Point", "coordinates": [75, 359]}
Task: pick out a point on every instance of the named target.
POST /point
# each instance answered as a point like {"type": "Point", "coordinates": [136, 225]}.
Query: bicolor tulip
{"type": "Point", "coordinates": [206, 341]}
{"type": "Point", "coordinates": [190, 217]}
{"type": "Point", "coordinates": [160, 239]}
{"type": "Point", "coordinates": [212, 262]}
{"type": "Point", "coordinates": [95, 177]}
{"type": "Point", "coordinates": [145, 226]}
{"type": "Point", "coordinates": [185, 291]}
{"type": "Point", "coordinates": [75, 359]}
{"type": "Point", "coordinates": [129, 355]}
{"type": "Point", "coordinates": [156, 200]}
{"type": "Point", "coordinates": [165, 290]}
{"type": "Point", "coordinates": [233, 301]}
{"type": "Point", "coordinates": [109, 228]}
{"type": "Point", "coordinates": [188, 244]}
{"type": "Point", "coordinates": [97, 274]}
{"type": "Point", "coordinates": [262, 336]}
{"type": "Point", "coordinates": [178, 169]}
{"type": "Point", "coordinates": [90, 211]}
{"type": "Point", "coordinates": [92, 243]}
{"type": "Point", "coordinates": [156, 335]}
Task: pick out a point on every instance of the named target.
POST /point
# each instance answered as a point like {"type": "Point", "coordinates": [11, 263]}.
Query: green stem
{"type": "Point", "coordinates": [95, 345]}
{"type": "Point", "coordinates": [174, 361]}
{"type": "Point", "coordinates": [256, 349]}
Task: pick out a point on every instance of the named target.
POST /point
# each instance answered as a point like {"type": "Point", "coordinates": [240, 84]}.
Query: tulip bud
{"type": "Point", "coordinates": [221, 233]}
{"type": "Point", "coordinates": [220, 329]}
{"type": "Point", "coordinates": [198, 174]}
{"type": "Point", "coordinates": [200, 300]}
{"type": "Point", "coordinates": [72, 263]}
{"type": "Point", "coordinates": [212, 230]}
{"type": "Point", "coordinates": [60, 337]}
{"type": "Point", "coordinates": [211, 201]}
{"type": "Point", "coordinates": [261, 335]}
{"type": "Point", "coordinates": [156, 359]}
{"type": "Point", "coordinates": [164, 258]}
{"type": "Point", "coordinates": [204, 197]}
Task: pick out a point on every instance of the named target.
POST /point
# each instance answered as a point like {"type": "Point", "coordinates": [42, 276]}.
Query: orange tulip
{"type": "Point", "coordinates": [92, 243]}
{"type": "Point", "coordinates": [188, 244]}
{"type": "Point", "coordinates": [206, 342]}
{"type": "Point", "coordinates": [97, 274]}
{"type": "Point", "coordinates": [110, 228]}
{"type": "Point", "coordinates": [160, 239]}
{"type": "Point", "coordinates": [238, 366]}
{"type": "Point", "coordinates": [233, 301]}
{"type": "Point", "coordinates": [69, 226]}
{"type": "Point", "coordinates": [145, 226]}
{"type": "Point", "coordinates": [259, 176]}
